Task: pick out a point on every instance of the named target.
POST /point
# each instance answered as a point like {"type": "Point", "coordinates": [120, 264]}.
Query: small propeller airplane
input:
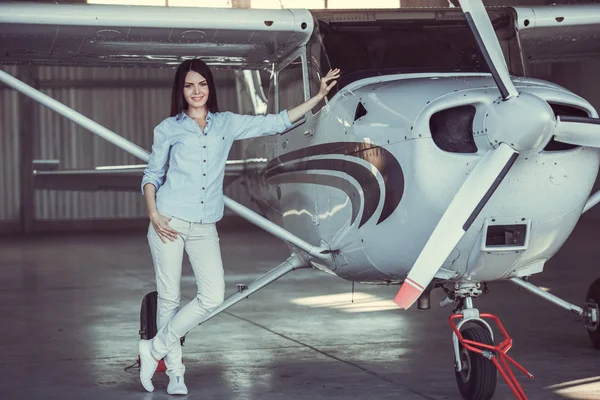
{"type": "Point", "coordinates": [424, 179]}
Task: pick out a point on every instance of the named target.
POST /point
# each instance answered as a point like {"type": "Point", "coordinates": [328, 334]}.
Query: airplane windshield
{"type": "Point", "coordinates": [364, 50]}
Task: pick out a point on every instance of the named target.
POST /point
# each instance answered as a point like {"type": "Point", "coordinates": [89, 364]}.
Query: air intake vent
{"type": "Point", "coordinates": [506, 235]}
{"type": "Point", "coordinates": [361, 111]}
{"type": "Point", "coordinates": [563, 110]}
{"type": "Point", "coordinates": [452, 129]}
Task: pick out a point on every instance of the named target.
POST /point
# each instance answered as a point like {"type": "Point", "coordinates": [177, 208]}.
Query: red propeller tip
{"type": "Point", "coordinates": [409, 293]}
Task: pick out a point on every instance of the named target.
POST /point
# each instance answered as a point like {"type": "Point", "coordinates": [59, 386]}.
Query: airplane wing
{"type": "Point", "coordinates": [558, 33]}
{"type": "Point", "coordinates": [124, 178]}
{"type": "Point", "coordinates": [120, 35]}
{"type": "Point", "coordinates": [116, 179]}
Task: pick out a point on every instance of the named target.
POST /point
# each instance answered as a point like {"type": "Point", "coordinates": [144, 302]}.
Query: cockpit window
{"type": "Point", "coordinates": [366, 49]}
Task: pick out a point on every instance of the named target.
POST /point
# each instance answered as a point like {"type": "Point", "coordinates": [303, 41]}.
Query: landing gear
{"type": "Point", "coordinates": [477, 359]}
{"type": "Point", "coordinates": [589, 313]}
{"type": "Point", "coordinates": [593, 325]}
{"type": "Point", "coordinates": [478, 375]}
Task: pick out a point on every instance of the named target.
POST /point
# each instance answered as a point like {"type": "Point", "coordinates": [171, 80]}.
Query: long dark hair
{"type": "Point", "coordinates": [178, 103]}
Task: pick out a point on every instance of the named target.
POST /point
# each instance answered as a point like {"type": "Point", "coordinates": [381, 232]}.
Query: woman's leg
{"type": "Point", "coordinates": [168, 259]}
{"type": "Point", "coordinates": [202, 246]}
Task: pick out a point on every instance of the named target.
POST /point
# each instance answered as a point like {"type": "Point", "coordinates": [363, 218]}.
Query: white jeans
{"type": "Point", "coordinates": [201, 242]}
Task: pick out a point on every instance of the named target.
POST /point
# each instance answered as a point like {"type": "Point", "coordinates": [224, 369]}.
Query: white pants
{"type": "Point", "coordinates": [201, 242]}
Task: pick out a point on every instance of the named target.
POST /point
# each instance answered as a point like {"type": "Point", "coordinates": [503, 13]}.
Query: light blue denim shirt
{"type": "Point", "coordinates": [193, 189]}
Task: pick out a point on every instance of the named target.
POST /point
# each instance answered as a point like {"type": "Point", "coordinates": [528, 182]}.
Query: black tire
{"type": "Point", "coordinates": [593, 296]}
{"type": "Point", "coordinates": [478, 379]}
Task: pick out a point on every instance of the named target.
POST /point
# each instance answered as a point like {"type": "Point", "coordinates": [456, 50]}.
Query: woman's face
{"type": "Point", "coordinates": [195, 90]}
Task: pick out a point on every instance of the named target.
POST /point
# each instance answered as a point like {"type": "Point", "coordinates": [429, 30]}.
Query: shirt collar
{"type": "Point", "coordinates": [182, 116]}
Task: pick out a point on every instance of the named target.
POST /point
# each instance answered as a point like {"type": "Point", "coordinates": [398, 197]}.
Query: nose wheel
{"type": "Point", "coordinates": [477, 359]}
{"type": "Point", "coordinates": [478, 375]}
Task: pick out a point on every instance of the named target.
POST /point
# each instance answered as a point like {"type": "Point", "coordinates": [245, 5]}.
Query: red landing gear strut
{"type": "Point", "coordinates": [495, 353]}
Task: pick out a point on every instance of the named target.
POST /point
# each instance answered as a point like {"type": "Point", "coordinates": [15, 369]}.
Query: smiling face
{"type": "Point", "coordinates": [195, 90]}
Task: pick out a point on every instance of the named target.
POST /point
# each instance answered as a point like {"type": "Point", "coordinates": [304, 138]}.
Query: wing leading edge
{"type": "Point", "coordinates": [119, 35]}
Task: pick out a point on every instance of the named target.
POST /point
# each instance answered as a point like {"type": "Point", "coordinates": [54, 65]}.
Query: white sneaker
{"type": "Point", "coordinates": [147, 365]}
{"type": "Point", "coordinates": [177, 385]}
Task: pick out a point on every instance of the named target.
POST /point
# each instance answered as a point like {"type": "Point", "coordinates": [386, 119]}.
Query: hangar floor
{"type": "Point", "coordinates": [70, 308]}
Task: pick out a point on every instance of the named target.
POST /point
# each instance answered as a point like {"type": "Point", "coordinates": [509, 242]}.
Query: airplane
{"type": "Point", "coordinates": [413, 174]}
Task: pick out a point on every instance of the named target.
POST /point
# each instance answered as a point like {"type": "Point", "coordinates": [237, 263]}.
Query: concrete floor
{"type": "Point", "coordinates": [70, 307]}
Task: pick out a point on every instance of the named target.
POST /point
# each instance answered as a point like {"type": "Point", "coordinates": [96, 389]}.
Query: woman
{"type": "Point", "coordinates": [184, 208]}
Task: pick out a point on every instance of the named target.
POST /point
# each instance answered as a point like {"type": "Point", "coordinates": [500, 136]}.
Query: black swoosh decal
{"type": "Point", "coordinates": [345, 148]}
{"type": "Point", "coordinates": [379, 157]}
{"type": "Point", "coordinates": [325, 180]}
{"type": "Point", "coordinates": [366, 179]}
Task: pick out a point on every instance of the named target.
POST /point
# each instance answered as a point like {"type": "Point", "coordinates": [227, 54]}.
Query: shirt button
{"type": "Point", "coordinates": [204, 147]}
{"type": "Point", "coordinates": [202, 202]}
{"type": "Point", "coordinates": [204, 160]}
{"type": "Point", "coordinates": [202, 188]}
{"type": "Point", "coordinates": [203, 174]}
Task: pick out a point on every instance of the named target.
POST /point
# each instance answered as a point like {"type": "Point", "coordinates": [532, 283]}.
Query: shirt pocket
{"type": "Point", "coordinates": [217, 150]}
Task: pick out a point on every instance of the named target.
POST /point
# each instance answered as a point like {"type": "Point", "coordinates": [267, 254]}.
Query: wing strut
{"type": "Point", "coordinates": [293, 263]}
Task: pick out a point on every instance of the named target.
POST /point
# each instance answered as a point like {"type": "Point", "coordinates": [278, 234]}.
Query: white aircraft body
{"type": "Point", "coordinates": [419, 175]}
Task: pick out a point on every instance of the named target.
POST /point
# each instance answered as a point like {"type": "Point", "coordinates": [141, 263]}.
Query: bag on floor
{"type": "Point", "coordinates": [148, 316]}
{"type": "Point", "coordinates": [148, 327]}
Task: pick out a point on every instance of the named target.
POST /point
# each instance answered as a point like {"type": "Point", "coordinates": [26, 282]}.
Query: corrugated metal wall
{"type": "Point", "coordinates": [129, 102]}
{"type": "Point", "coordinates": [130, 112]}
{"type": "Point", "coordinates": [9, 153]}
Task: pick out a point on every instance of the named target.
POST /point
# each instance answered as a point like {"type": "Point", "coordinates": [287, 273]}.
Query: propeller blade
{"type": "Point", "coordinates": [581, 131]}
{"type": "Point", "coordinates": [482, 28]}
{"type": "Point", "coordinates": [462, 211]}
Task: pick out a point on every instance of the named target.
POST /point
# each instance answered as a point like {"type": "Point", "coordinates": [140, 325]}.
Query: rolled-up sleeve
{"type": "Point", "coordinates": [157, 163]}
{"type": "Point", "coordinates": [249, 126]}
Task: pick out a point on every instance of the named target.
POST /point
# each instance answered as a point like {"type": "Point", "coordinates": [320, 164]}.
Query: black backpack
{"type": "Point", "coordinates": [148, 328]}
{"type": "Point", "coordinates": [148, 316]}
